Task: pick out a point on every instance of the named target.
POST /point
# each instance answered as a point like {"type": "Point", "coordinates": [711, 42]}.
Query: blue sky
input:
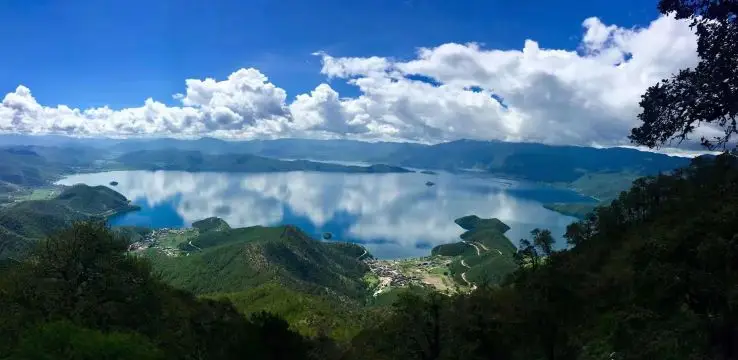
{"type": "Point", "coordinates": [92, 53]}
{"type": "Point", "coordinates": [568, 72]}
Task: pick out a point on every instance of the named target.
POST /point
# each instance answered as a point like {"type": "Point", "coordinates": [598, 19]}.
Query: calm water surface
{"type": "Point", "coordinates": [394, 215]}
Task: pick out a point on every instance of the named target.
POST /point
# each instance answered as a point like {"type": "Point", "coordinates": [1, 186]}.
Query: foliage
{"type": "Point", "coordinates": [485, 255]}
{"type": "Point", "coordinates": [93, 200]}
{"type": "Point", "coordinates": [453, 249]}
{"type": "Point", "coordinates": [131, 233]}
{"type": "Point", "coordinates": [490, 238]}
{"type": "Point", "coordinates": [23, 223]}
{"type": "Point", "coordinates": [310, 315]}
{"type": "Point", "coordinates": [64, 340]}
{"type": "Point", "coordinates": [81, 282]}
{"type": "Point", "coordinates": [239, 259]}
{"type": "Point", "coordinates": [652, 275]}
{"type": "Point", "coordinates": [707, 94]}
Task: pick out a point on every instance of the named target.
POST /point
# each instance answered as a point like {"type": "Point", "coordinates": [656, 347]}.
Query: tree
{"type": "Point", "coordinates": [707, 94]}
{"type": "Point", "coordinates": [532, 253]}
{"type": "Point", "coordinates": [64, 340]}
{"type": "Point", "coordinates": [543, 240]}
{"type": "Point", "coordinates": [80, 296]}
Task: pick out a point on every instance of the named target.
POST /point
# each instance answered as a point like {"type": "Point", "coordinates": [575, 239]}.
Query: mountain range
{"type": "Point", "coordinates": [530, 161]}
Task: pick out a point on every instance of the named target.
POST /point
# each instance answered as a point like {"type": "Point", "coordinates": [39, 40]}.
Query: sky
{"type": "Point", "coordinates": [563, 72]}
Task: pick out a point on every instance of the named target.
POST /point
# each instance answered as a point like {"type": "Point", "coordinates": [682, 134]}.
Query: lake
{"type": "Point", "coordinates": [393, 215]}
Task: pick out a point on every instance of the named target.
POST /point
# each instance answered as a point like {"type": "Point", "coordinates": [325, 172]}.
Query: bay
{"type": "Point", "coordinates": [393, 215]}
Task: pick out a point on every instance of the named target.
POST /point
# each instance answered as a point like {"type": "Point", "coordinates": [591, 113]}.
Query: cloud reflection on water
{"type": "Point", "coordinates": [394, 214]}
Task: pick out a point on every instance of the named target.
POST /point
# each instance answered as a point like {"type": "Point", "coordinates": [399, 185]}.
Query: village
{"type": "Point", "coordinates": [431, 271]}
{"type": "Point", "coordinates": [164, 240]}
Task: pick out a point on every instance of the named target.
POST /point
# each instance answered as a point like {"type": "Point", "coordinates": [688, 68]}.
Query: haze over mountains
{"type": "Point", "coordinates": [517, 159]}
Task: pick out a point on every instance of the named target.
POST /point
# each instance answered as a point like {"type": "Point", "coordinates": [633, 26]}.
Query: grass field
{"type": "Point", "coordinates": [173, 238]}
{"type": "Point", "coordinates": [42, 194]}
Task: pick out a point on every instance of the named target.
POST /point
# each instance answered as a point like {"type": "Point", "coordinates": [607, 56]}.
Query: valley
{"type": "Point", "coordinates": [247, 229]}
{"type": "Point", "coordinates": [433, 272]}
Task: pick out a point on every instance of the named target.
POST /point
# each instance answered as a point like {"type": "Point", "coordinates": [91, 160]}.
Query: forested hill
{"type": "Point", "coordinates": [484, 255]}
{"type": "Point", "coordinates": [223, 260]}
{"type": "Point", "coordinates": [23, 223]}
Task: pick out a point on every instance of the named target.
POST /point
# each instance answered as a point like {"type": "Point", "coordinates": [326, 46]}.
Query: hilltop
{"type": "Point", "coordinates": [211, 224]}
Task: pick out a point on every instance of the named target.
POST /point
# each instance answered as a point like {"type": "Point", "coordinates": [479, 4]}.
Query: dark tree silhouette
{"type": "Point", "coordinates": [707, 94]}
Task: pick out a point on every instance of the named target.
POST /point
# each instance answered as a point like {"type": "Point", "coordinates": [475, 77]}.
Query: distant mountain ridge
{"type": "Point", "coordinates": [525, 161]}
{"type": "Point", "coordinates": [198, 161]}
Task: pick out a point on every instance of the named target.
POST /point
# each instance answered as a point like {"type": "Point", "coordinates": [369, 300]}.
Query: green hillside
{"type": "Point", "coordinates": [31, 166]}
{"type": "Point", "coordinates": [645, 278]}
{"type": "Point", "coordinates": [601, 187]}
{"type": "Point", "coordinates": [82, 297]}
{"type": "Point", "coordinates": [239, 259]}
{"type": "Point", "coordinates": [485, 254]}
{"type": "Point", "coordinates": [25, 167]}
{"type": "Point", "coordinates": [310, 315]}
{"type": "Point", "coordinates": [22, 223]}
{"type": "Point", "coordinates": [94, 200]}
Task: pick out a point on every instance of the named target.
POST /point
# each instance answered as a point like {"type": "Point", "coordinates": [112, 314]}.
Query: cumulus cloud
{"type": "Point", "coordinates": [586, 96]}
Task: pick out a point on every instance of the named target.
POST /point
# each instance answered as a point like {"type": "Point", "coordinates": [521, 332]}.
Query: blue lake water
{"type": "Point", "coordinates": [393, 215]}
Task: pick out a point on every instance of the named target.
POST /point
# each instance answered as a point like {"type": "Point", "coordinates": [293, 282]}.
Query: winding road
{"type": "Point", "coordinates": [463, 275]}
{"type": "Point", "coordinates": [472, 244]}
{"type": "Point", "coordinates": [479, 253]}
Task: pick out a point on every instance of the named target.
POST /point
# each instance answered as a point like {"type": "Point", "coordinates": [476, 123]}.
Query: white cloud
{"type": "Point", "coordinates": [584, 97]}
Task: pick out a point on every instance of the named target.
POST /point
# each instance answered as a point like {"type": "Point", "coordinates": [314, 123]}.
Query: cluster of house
{"type": "Point", "coordinates": [150, 240]}
{"type": "Point", "coordinates": [388, 270]}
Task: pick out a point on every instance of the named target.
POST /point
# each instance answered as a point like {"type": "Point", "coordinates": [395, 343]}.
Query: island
{"type": "Point", "coordinates": [428, 172]}
{"type": "Point", "coordinates": [429, 183]}
{"type": "Point", "coordinates": [113, 183]}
